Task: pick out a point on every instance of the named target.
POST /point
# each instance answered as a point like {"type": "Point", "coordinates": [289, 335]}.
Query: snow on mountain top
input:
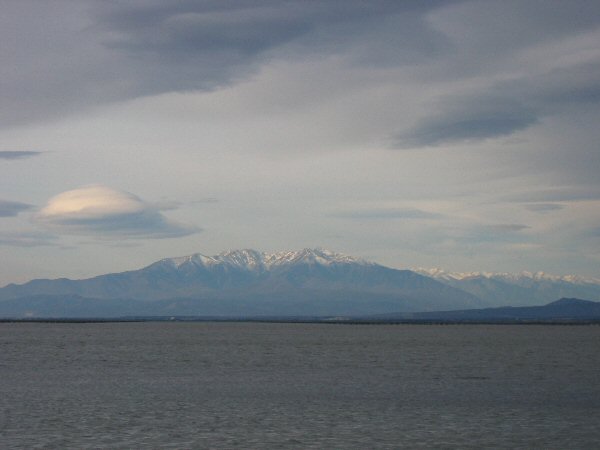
{"type": "Point", "coordinates": [254, 260]}
{"type": "Point", "coordinates": [313, 256]}
{"type": "Point", "coordinates": [241, 258]}
{"type": "Point", "coordinates": [441, 274]}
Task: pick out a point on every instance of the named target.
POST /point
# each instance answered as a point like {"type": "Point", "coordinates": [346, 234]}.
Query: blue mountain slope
{"type": "Point", "coordinates": [563, 309]}
{"type": "Point", "coordinates": [246, 281]}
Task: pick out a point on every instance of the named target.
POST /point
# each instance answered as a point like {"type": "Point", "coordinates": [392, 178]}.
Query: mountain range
{"type": "Point", "coordinates": [522, 289]}
{"type": "Point", "coordinates": [563, 310]}
{"type": "Point", "coordinates": [244, 283]}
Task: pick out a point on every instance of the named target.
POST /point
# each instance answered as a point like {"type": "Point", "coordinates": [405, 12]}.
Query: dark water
{"type": "Point", "coordinates": [199, 385]}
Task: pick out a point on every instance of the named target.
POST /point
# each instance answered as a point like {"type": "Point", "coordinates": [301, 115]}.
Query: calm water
{"type": "Point", "coordinates": [198, 385]}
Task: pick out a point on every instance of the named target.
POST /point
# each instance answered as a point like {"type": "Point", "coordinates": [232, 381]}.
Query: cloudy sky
{"type": "Point", "coordinates": [455, 134]}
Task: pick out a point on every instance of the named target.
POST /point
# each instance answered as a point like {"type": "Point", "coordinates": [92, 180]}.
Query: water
{"type": "Point", "coordinates": [250, 385]}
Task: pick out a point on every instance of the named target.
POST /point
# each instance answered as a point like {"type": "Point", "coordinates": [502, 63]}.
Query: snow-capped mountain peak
{"type": "Point", "coordinates": [196, 259]}
{"type": "Point", "coordinates": [252, 260]}
{"type": "Point", "coordinates": [310, 256]}
{"type": "Point", "coordinates": [246, 258]}
{"type": "Point", "coordinates": [442, 274]}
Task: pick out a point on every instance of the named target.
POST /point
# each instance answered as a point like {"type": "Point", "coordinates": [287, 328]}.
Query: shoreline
{"type": "Point", "coordinates": [300, 320]}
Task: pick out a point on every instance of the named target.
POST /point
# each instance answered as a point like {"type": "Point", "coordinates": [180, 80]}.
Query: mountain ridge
{"type": "Point", "coordinates": [438, 273]}
{"type": "Point", "coordinates": [518, 289]}
{"type": "Point", "coordinates": [564, 309]}
{"type": "Point", "coordinates": [304, 282]}
{"type": "Point", "coordinates": [288, 282]}
{"type": "Point", "coordinates": [250, 259]}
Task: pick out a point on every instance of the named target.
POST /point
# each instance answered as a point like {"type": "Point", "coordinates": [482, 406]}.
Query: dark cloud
{"type": "Point", "coordinates": [140, 225]}
{"type": "Point", "coordinates": [471, 118]}
{"type": "Point", "coordinates": [501, 46]}
{"type": "Point", "coordinates": [202, 45]}
{"type": "Point", "coordinates": [18, 154]}
{"type": "Point", "coordinates": [501, 233]}
{"type": "Point", "coordinates": [27, 239]}
{"type": "Point", "coordinates": [504, 228]}
{"type": "Point", "coordinates": [505, 107]}
{"type": "Point", "coordinates": [484, 32]}
{"type": "Point", "coordinates": [11, 209]}
{"type": "Point", "coordinates": [65, 56]}
{"type": "Point", "coordinates": [391, 213]}
{"type": "Point", "coordinates": [544, 207]}
{"type": "Point", "coordinates": [183, 30]}
{"type": "Point", "coordinates": [191, 28]}
{"type": "Point", "coordinates": [558, 194]}
{"type": "Point", "coordinates": [574, 85]}
{"type": "Point", "coordinates": [52, 63]}
{"type": "Point", "coordinates": [204, 200]}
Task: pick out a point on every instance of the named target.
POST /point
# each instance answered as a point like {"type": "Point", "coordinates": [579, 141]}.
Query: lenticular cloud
{"type": "Point", "coordinates": [104, 211]}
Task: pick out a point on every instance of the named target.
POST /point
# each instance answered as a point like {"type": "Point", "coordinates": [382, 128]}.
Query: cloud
{"type": "Point", "coordinates": [18, 154]}
{"type": "Point", "coordinates": [543, 207]}
{"type": "Point", "coordinates": [505, 107]}
{"type": "Point", "coordinates": [131, 49]}
{"type": "Point", "coordinates": [186, 30]}
{"type": "Point", "coordinates": [204, 200]}
{"type": "Point", "coordinates": [469, 118]}
{"type": "Point", "coordinates": [27, 239]}
{"type": "Point", "coordinates": [182, 31]}
{"type": "Point", "coordinates": [391, 213]}
{"type": "Point", "coordinates": [505, 79]}
{"type": "Point", "coordinates": [502, 228]}
{"type": "Point", "coordinates": [69, 56]}
{"type": "Point", "coordinates": [11, 209]}
{"type": "Point", "coordinates": [557, 194]}
{"type": "Point", "coordinates": [489, 234]}
{"type": "Point", "coordinates": [105, 212]}
{"type": "Point", "coordinates": [470, 240]}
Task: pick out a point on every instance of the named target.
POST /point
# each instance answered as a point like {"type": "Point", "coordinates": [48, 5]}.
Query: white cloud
{"type": "Point", "coordinates": [102, 211]}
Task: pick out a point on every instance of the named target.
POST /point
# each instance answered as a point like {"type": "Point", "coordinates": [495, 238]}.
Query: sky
{"type": "Point", "coordinates": [455, 134]}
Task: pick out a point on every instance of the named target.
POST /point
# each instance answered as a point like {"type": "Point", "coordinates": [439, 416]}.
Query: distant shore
{"type": "Point", "coordinates": [315, 320]}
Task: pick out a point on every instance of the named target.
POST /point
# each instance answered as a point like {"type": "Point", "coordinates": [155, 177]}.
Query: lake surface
{"type": "Point", "coordinates": [253, 385]}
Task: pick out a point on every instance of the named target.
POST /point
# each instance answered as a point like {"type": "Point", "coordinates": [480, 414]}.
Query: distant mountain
{"type": "Point", "coordinates": [565, 309]}
{"type": "Point", "coordinates": [68, 306]}
{"type": "Point", "coordinates": [239, 283]}
{"type": "Point", "coordinates": [523, 289]}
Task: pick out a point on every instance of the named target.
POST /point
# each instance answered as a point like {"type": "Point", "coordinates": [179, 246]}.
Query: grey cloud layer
{"type": "Point", "coordinates": [11, 209]}
{"type": "Point", "coordinates": [504, 228]}
{"type": "Point", "coordinates": [17, 154]}
{"type": "Point", "coordinates": [140, 225]}
{"type": "Point", "coordinates": [504, 107]}
{"type": "Point", "coordinates": [558, 194]}
{"type": "Point", "coordinates": [544, 207]}
{"type": "Point", "coordinates": [92, 52]}
{"type": "Point", "coordinates": [389, 213]}
{"type": "Point", "coordinates": [27, 239]}
{"type": "Point", "coordinates": [86, 53]}
{"type": "Point", "coordinates": [467, 120]}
